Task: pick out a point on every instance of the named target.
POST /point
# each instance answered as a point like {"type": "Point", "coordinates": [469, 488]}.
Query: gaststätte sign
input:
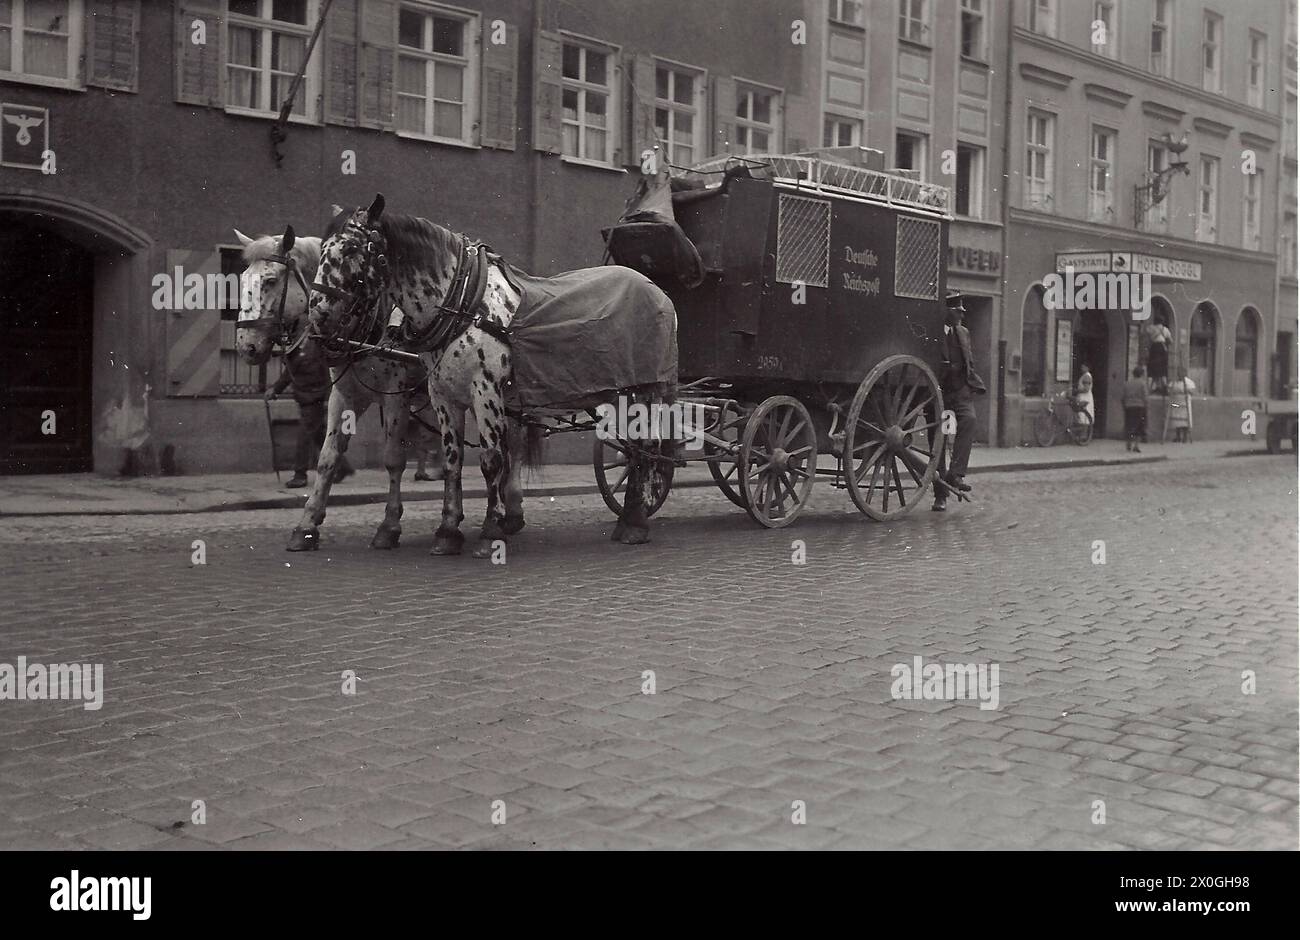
{"type": "Point", "coordinates": [1128, 262]}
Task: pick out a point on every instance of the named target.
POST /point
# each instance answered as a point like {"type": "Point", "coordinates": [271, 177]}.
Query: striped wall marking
{"type": "Point", "coordinates": [193, 336]}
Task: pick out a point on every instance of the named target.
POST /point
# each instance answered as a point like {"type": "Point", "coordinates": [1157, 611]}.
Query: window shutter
{"type": "Point", "coordinates": [724, 115]}
{"type": "Point", "coordinates": [378, 51]}
{"type": "Point", "coordinates": [200, 68]}
{"type": "Point", "coordinates": [193, 336]}
{"type": "Point", "coordinates": [112, 44]}
{"type": "Point", "coordinates": [500, 79]}
{"type": "Point", "coordinates": [548, 93]}
{"type": "Point", "coordinates": [640, 71]}
{"type": "Point", "coordinates": [341, 63]}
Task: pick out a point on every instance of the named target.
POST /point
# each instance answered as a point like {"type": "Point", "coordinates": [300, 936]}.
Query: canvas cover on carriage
{"type": "Point", "coordinates": [579, 336]}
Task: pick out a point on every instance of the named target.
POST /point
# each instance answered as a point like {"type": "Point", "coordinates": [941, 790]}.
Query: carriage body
{"type": "Point", "coordinates": [811, 325]}
{"type": "Point", "coordinates": [808, 285]}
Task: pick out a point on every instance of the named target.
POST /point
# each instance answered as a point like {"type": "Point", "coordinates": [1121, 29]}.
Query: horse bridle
{"type": "Point", "coordinates": [336, 343]}
{"type": "Point", "coordinates": [277, 323]}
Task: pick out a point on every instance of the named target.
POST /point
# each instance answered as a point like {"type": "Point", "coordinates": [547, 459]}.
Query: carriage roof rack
{"type": "Point", "coordinates": [824, 173]}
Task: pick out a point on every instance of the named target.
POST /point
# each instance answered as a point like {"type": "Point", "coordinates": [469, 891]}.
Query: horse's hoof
{"type": "Point", "coordinates": [512, 524]}
{"type": "Point", "coordinates": [386, 538]}
{"type": "Point", "coordinates": [447, 544]}
{"type": "Point", "coordinates": [485, 548]}
{"type": "Point", "coordinates": [303, 540]}
{"type": "Point", "coordinates": [634, 535]}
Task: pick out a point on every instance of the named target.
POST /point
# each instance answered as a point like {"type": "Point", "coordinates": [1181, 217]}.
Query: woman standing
{"type": "Point", "coordinates": [1158, 340]}
{"type": "Point", "coordinates": [1180, 407]}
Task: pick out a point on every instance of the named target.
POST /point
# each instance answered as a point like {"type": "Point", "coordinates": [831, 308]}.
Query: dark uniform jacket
{"type": "Point", "coordinates": [305, 368]}
{"type": "Point", "coordinates": [959, 379]}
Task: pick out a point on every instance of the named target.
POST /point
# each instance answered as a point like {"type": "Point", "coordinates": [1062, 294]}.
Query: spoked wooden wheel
{"type": "Point", "coordinates": [889, 458]}
{"type": "Point", "coordinates": [723, 466]}
{"type": "Point", "coordinates": [778, 461]}
{"type": "Point", "coordinates": [610, 462]}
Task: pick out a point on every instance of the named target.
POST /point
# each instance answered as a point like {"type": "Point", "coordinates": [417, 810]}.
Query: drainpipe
{"type": "Point", "coordinates": [535, 155]}
{"type": "Point", "coordinates": [1006, 222]}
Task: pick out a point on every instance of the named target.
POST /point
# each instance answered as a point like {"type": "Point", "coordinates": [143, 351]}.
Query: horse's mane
{"type": "Point", "coordinates": [306, 251]}
{"type": "Point", "coordinates": [413, 243]}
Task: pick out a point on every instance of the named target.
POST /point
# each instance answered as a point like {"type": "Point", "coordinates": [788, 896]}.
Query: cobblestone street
{"type": "Point", "coordinates": [522, 683]}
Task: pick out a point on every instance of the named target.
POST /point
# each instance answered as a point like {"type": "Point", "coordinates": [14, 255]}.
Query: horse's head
{"type": "Point", "coordinates": [273, 291]}
{"type": "Point", "coordinates": [352, 274]}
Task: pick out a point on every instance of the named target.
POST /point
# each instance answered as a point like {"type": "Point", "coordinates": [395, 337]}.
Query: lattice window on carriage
{"type": "Point", "coordinates": [916, 259]}
{"type": "Point", "coordinates": [238, 378]}
{"type": "Point", "coordinates": [41, 41]}
{"type": "Point", "coordinates": [267, 41]}
{"type": "Point", "coordinates": [803, 241]}
{"type": "Point", "coordinates": [437, 53]}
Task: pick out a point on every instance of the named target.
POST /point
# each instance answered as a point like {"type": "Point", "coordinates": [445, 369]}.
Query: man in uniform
{"type": "Point", "coordinates": [305, 369]}
{"type": "Point", "coordinates": [960, 384]}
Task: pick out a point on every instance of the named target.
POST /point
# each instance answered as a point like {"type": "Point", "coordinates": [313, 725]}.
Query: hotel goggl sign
{"type": "Point", "coordinates": [25, 138]}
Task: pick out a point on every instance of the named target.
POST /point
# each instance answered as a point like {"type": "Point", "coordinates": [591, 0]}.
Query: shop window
{"type": "Point", "coordinates": [1200, 349]}
{"type": "Point", "coordinates": [1033, 344]}
{"type": "Point", "coordinates": [1245, 349]}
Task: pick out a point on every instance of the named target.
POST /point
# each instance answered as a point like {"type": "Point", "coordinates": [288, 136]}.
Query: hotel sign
{"type": "Point", "coordinates": [1128, 262]}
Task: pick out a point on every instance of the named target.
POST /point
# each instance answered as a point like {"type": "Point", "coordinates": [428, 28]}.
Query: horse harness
{"type": "Point", "coordinates": [277, 323]}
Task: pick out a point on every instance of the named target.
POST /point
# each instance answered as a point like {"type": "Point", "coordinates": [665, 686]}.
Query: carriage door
{"type": "Point", "coordinates": [46, 285]}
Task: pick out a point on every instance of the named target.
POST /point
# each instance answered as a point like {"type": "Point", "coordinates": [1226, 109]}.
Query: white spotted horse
{"type": "Point", "coordinates": [459, 300]}
{"type": "Point", "coordinates": [273, 308]}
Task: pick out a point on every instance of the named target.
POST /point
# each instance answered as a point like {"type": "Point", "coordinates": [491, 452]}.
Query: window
{"type": "Point", "coordinates": [1042, 16]}
{"type": "Point", "coordinates": [1104, 26]}
{"type": "Point", "coordinates": [588, 78]}
{"type": "Point", "coordinates": [970, 181]}
{"type": "Point", "coordinates": [238, 378]}
{"type": "Point", "coordinates": [1040, 131]}
{"type": "Point", "coordinates": [1245, 348]}
{"type": "Point", "coordinates": [972, 29]}
{"type": "Point", "coordinates": [756, 127]}
{"type": "Point", "coordinates": [1101, 177]}
{"type": "Point", "coordinates": [267, 40]}
{"type": "Point", "coordinates": [841, 132]}
{"type": "Point", "coordinates": [677, 113]}
{"type": "Point", "coordinates": [909, 153]}
{"type": "Point", "coordinates": [1286, 245]}
{"type": "Point", "coordinates": [1156, 218]}
{"type": "Point", "coordinates": [1161, 30]}
{"type": "Point", "coordinates": [1033, 344]}
{"type": "Point", "coordinates": [1207, 200]}
{"type": "Point", "coordinates": [434, 73]}
{"type": "Point", "coordinates": [847, 11]}
{"type": "Point", "coordinates": [1211, 60]}
{"type": "Point", "coordinates": [1256, 67]}
{"type": "Point", "coordinates": [1253, 186]}
{"type": "Point", "coordinates": [1200, 350]}
{"type": "Point", "coordinates": [40, 41]}
{"type": "Point", "coordinates": [914, 20]}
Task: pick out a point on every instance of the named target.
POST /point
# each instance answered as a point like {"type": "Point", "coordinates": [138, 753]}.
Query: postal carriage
{"type": "Point", "coordinates": [810, 295]}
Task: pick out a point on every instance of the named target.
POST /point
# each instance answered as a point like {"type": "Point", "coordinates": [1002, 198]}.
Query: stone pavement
{"type": "Point", "coordinates": [519, 688]}
{"type": "Point", "coordinates": [88, 494]}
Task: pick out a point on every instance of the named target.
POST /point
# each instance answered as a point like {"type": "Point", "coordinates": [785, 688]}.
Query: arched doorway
{"type": "Point", "coordinates": [1092, 348]}
{"type": "Point", "coordinates": [1201, 343]}
{"type": "Point", "coordinates": [46, 303]}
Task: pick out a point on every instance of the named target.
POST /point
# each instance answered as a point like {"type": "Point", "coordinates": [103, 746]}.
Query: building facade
{"type": "Point", "coordinates": [137, 136]}
{"type": "Point", "coordinates": [1148, 137]}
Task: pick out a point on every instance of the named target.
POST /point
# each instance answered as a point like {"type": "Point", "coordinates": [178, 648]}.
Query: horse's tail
{"type": "Point", "coordinates": [533, 437]}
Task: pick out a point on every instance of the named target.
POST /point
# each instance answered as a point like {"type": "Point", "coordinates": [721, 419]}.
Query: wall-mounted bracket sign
{"type": "Point", "coordinates": [24, 136]}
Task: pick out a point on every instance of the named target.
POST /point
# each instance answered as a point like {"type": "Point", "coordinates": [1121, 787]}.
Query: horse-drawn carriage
{"type": "Point", "coordinates": [810, 303]}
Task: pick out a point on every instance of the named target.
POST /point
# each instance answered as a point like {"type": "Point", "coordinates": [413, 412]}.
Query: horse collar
{"type": "Point", "coordinates": [461, 304]}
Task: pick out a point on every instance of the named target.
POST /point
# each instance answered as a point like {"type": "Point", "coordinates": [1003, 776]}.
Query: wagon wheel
{"type": "Point", "coordinates": [888, 438]}
{"type": "Point", "coordinates": [778, 461]}
{"type": "Point", "coordinates": [728, 427]}
{"type": "Point", "coordinates": [610, 462]}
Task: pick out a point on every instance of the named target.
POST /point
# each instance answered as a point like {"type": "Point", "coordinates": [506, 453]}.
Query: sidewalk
{"type": "Point", "coordinates": [88, 494]}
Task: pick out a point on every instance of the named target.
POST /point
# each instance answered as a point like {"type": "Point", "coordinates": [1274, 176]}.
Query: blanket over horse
{"type": "Point", "coordinates": [578, 337]}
